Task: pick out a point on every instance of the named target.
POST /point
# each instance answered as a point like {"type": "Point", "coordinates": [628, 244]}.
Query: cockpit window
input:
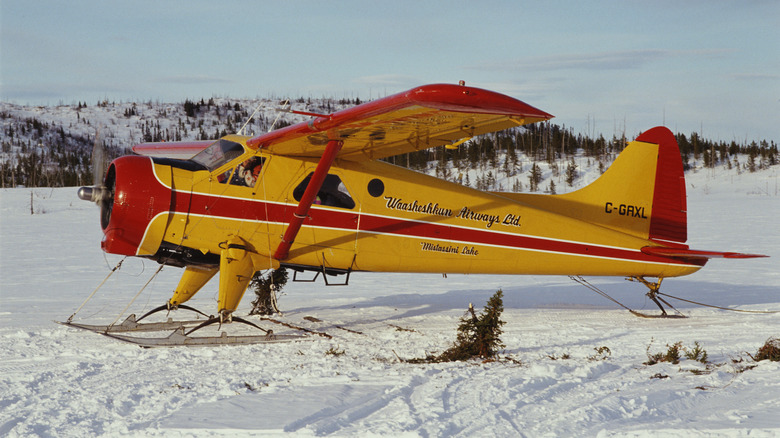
{"type": "Point", "coordinates": [218, 153]}
{"type": "Point", "coordinates": [333, 192]}
{"type": "Point", "coordinates": [245, 174]}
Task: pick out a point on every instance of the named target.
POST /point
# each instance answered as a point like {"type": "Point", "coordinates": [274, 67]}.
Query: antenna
{"type": "Point", "coordinates": [250, 118]}
{"type": "Point", "coordinates": [284, 105]}
{"type": "Point", "coordinates": [281, 110]}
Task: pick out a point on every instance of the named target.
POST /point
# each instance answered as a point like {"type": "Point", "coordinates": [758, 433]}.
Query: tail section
{"type": "Point", "coordinates": [641, 194]}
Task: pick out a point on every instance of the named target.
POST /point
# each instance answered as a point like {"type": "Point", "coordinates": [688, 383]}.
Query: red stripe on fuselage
{"type": "Point", "coordinates": [263, 211]}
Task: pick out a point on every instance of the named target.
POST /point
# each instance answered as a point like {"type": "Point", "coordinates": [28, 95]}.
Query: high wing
{"type": "Point", "coordinates": [423, 117]}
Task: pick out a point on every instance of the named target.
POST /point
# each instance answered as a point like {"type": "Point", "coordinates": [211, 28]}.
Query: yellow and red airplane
{"type": "Point", "coordinates": [314, 196]}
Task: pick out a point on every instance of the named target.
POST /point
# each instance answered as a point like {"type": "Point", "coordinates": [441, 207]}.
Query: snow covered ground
{"type": "Point", "coordinates": [59, 381]}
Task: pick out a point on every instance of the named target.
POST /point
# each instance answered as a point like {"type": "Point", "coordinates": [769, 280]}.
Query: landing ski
{"type": "Point", "coordinates": [130, 324]}
{"type": "Point", "coordinates": [179, 339]}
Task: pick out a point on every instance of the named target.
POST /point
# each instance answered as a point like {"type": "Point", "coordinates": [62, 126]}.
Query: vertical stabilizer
{"type": "Point", "coordinates": [641, 194]}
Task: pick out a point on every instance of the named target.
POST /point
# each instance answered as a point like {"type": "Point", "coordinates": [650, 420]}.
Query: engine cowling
{"type": "Point", "coordinates": [134, 217]}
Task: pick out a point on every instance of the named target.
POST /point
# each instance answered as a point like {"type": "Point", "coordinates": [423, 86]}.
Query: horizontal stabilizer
{"type": "Point", "coordinates": [693, 253]}
{"type": "Point", "coordinates": [182, 150]}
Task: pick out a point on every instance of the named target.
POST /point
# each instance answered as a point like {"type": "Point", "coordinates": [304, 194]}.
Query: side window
{"type": "Point", "coordinates": [245, 174]}
{"type": "Point", "coordinates": [223, 178]}
{"type": "Point", "coordinates": [333, 192]}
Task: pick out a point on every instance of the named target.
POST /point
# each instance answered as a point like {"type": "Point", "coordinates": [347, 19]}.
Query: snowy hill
{"type": "Point", "coordinates": [61, 137]}
{"type": "Point", "coordinates": [51, 145]}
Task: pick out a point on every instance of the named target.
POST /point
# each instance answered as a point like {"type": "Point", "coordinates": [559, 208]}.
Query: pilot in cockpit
{"type": "Point", "coordinates": [246, 173]}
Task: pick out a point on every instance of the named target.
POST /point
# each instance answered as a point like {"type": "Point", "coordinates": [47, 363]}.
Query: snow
{"type": "Point", "coordinates": [552, 381]}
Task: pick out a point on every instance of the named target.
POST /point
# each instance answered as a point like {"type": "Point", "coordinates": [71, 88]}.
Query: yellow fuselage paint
{"type": "Point", "coordinates": [404, 221]}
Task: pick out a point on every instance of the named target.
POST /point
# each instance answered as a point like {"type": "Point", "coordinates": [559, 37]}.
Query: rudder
{"type": "Point", "coordinates": [669, 222]}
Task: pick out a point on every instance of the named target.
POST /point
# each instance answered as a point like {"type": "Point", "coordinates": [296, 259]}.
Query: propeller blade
{"type": "Point", "coordinates": [98, 160]}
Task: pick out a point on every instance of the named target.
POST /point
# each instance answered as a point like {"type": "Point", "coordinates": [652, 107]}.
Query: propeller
{"type": "Point", "coordinates": [98, 159]}
{"type": "Point", "coordinates": [102, 192]}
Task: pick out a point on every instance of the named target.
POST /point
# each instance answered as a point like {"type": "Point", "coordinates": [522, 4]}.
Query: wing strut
{"type": "Point", "coordinates": [302, 211]}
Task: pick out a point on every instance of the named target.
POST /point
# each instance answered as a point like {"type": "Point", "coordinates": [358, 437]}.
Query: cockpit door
{"type": "Point", "coordinates": [330, 230]}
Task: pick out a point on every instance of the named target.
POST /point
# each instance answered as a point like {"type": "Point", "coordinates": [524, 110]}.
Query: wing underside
{"type": "Point", "coordinates": [424, 117]}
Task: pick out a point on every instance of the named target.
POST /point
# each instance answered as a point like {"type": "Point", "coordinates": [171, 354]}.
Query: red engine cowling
{"type": "Point", "coordinates": [137, 196]}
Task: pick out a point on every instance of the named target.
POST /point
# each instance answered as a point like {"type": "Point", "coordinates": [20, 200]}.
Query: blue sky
{"type": "Point", "coordinates": [599, 66]}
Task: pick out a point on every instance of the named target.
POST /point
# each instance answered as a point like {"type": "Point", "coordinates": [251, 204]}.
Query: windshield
{"type": "Point", "coordinates": [218, 153]}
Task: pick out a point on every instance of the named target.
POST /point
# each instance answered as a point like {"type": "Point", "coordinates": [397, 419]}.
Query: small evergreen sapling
{"type": "Point", "coordinates": [478, 336]}
{"type": "Point", "coordinates": [769, 351]}
{"type": "Point", "coordinates": [266, 287]}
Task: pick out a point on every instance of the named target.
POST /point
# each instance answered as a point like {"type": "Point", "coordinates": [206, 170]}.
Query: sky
{"type": "Point", "coordinates": [601, 67]}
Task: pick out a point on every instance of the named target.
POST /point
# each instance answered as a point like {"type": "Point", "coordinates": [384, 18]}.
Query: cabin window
{"type": "Point", "coordinates": [218, 153]}
{"type": "Point", "coordinates": [376, 187]}
{"type": "Point", "coordinates": [245, 174]}
{"type": "Point", "coordinates": [333, 192]}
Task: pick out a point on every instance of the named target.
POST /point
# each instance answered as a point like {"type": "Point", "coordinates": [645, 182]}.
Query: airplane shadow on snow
{"type": "Point", "coordinates": [558, 296]}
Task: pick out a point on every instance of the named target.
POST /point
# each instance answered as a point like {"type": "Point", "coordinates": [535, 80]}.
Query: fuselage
{"type": "Point", "coordinates": [368, 216]}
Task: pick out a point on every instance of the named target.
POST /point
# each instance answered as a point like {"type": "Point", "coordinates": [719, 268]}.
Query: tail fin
{"type": "Point", "coordinates": [641, 194]}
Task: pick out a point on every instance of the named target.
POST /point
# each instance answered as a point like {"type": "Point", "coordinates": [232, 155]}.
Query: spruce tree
{"type": "Point", "coordinates": [266, 287]}
{"type": "Point", "coordinates": [478, 336]}
{"type": "Point", "coordinates": [571, 172]}
{"type": "Point", "coordinates": [535, 177]}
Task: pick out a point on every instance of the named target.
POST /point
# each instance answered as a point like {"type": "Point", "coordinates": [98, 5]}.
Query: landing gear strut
{"type": "Point", "coordinates": [226, 317]}
{"type": "Point", "coordinates": [168, 307]}
{"type": "Point", "coordinates": [652, 293]}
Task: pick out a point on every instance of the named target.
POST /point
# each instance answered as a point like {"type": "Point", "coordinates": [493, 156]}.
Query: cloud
{"type": "Point", "coordinates": [597, 61]}
{"type": "Point", "coordinates": [63, 90]}
{"type": "Point", "coordinates": [755, 77]}
{"type": "Point", "coordinates": [27, 95]}
{"type": "Point", "coordinates": [614, 60]}
{"type": "Point", "coordinates": [194, 79]}
{"type": "Point", "coordinates": [386, 80]}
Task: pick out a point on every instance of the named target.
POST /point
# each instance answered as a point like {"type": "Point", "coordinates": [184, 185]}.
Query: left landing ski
{"type": "Point", "coordinates": [131, 325]}
{"type": "Point", "coordinates": [179, 339]}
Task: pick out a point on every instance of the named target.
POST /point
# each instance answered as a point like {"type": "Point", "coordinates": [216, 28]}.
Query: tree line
{"type": "Point", "coordinates": [500, 153]}
{"type": "Point", "coordinates": [40, 154]}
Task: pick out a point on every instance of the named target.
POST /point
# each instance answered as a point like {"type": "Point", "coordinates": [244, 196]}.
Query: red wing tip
{"type": "Point", "coordinates": [461, 98]}
{"type": "Point", "coordinates": [683, 252]}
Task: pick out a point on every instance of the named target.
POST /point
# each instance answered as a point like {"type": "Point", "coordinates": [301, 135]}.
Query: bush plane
{"type": "Point", "coordinates": [315, 196]}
